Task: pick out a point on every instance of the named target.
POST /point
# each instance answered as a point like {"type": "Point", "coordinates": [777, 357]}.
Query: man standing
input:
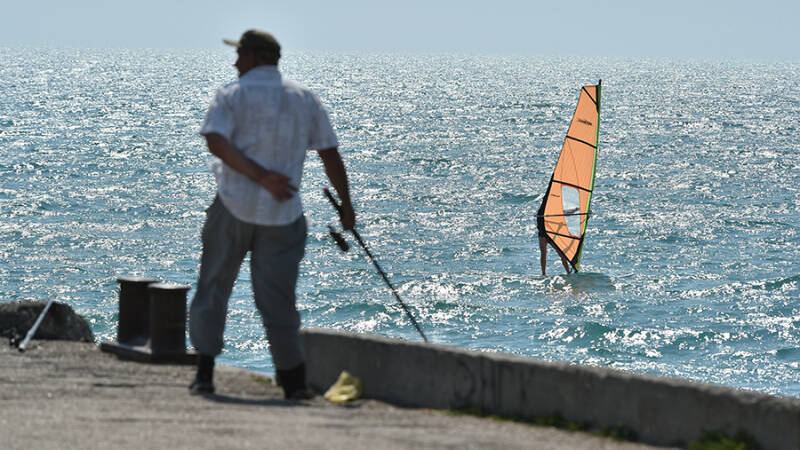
{"type": "Point", "coordinates": [259, 128]}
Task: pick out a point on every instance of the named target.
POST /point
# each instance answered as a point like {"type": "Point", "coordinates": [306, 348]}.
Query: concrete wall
{"type": "Point", "coordinates": [662, 411]}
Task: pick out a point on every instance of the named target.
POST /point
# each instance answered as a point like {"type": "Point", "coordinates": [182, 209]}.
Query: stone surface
{"type": "Point", "coordinates": [61, 394]}
{"type": "Point", "coordinates": [60, 322]}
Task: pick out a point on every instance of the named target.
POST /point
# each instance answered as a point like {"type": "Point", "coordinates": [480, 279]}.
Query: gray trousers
{"type": "Point", "coordinates": [275, 257]}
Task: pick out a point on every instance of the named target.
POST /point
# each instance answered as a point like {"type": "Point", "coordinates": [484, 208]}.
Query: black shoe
{"type": "Point", "coordinates": [300, 394]}
{"type": "Point", "coordinates": [199, 387]}
{"type": "Point", "coordinates": [204, 380]}
{"type": "Point", "coordinates": [293, 382]}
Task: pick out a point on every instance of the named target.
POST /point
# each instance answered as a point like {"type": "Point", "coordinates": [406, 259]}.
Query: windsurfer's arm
{"type": "Point", "coordinates": [277, 184]}
{"type": "Point", "coordinates": [336, 172]}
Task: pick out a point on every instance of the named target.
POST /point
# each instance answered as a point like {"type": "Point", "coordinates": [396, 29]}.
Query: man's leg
{"type": "Point", "coordinates": [225, 243]}
{"type": "Point", "coordinates": [543, 252]}
{"type": "Point", "coordinates": [274, 266]}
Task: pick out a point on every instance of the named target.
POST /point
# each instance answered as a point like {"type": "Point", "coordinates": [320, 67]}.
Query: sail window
{"type": "Point", "coordinates": [572, 207]}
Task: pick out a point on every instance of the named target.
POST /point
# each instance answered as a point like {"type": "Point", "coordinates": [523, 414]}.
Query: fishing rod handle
{"type": "Point", "coordinates": [338, 239]}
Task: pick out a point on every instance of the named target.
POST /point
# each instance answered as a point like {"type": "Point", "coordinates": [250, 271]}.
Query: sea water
{"type": "Point", "coordinates": [690, 261]}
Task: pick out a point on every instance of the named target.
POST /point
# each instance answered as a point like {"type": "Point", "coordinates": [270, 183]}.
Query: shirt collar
{"type": "Point", "coordinates": [262, 73]}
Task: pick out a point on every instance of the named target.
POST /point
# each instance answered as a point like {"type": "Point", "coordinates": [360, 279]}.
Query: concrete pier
{"type": "Point", "coordinates": [62, 394]}
{"type": "Point", "coordinates": [662, 411]}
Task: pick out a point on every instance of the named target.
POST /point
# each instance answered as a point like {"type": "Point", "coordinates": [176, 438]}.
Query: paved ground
{"type": "Point", "coordinates": [70, 395]}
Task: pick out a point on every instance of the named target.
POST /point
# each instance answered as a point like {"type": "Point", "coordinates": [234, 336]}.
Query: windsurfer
{"type": "Point", "coordinates": [543, 243]}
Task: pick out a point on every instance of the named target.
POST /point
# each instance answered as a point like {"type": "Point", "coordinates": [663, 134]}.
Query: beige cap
{"type": "Point", "coordinates": [257, 40]}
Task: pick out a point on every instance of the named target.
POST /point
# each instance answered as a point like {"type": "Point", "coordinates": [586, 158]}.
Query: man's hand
{"type": "Point", "coordinates": [278, 185]}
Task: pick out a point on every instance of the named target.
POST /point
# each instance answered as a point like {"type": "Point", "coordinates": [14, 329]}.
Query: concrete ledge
{"type": "Point", "coordinates": [662, 411]}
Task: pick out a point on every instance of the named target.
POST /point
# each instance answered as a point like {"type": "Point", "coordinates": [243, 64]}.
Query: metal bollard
{"type": "Point", "coordinates": [152, 322]}
{"type": "Point", "coordinates": [168, 318]}
{"type": "Point", "coordinates": [134, 310]}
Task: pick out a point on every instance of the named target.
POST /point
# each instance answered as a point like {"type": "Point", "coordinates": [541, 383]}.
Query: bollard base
{"type": "Point", "coordinates": [142, 353]}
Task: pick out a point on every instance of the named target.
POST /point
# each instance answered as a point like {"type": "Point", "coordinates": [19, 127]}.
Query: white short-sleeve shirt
{"type": "Point", "coordinates": [274, 122]}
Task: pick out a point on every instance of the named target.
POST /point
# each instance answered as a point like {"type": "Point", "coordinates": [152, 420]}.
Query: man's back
{"type": "Point", "coordinates": [273, 122]}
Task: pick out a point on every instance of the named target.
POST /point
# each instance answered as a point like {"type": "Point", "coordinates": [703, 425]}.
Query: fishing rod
{"type": "Point", "coordinates": [339, 239]}
{"type": "Point", "coordinates": [35, 326]}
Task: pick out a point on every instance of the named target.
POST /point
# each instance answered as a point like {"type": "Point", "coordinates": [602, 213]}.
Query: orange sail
{"type": "Point", "coordinates": [565, 206]}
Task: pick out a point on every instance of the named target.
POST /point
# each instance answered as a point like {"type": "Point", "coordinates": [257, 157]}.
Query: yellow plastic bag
{"type": "Point", "coordinates": [346, 388]}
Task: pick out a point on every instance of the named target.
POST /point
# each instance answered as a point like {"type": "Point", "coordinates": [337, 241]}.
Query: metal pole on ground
{"type": "Point", "coordinates": [35, 326]}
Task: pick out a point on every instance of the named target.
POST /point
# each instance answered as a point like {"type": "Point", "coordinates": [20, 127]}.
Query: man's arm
{"type": "Point", "coordinates": [277, 184]}
{"type": "Point", "coordinates": [334, 169]}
